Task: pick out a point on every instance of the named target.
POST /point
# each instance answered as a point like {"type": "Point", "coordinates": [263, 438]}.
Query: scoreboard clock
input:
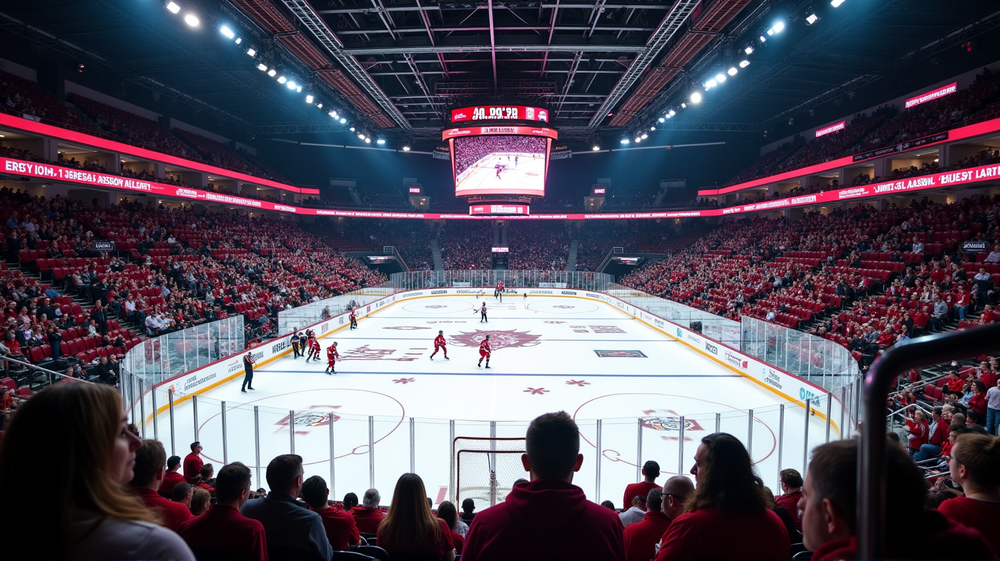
{"type": "Point", "coordinates": [499, 113]}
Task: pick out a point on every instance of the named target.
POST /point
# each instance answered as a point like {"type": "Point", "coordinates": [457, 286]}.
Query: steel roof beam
{"type": "Point", "coordinates": [521, 48]}
{"type": "Point", "coordinates": [418, 8]}
{"type": "Point", "coordinates": [670, 25]}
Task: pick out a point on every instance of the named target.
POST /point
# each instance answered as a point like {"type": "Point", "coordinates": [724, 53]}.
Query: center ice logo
{"type": "Point", "coordinates": [305, 421]}
{"type": "Point", "coordinates": [498, 339]}
{"type": "Point", "coordinates": [670, 423]}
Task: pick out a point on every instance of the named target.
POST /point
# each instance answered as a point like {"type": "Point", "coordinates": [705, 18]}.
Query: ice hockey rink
{"type": "Point", "coordinates": [549, 354]}
{"type": "Point", "coordinates": [525, 176]}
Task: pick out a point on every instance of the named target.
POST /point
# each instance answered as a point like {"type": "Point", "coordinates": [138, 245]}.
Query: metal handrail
{"type": "Point", "coordinates": [7, 359]}
{"type": "Point", "coordinates": [915, 353]}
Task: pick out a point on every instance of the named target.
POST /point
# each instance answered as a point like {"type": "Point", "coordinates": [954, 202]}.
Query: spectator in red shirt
{"type": "Point", "coordinates": [975, 465]}
{"type": "Point", "coordinates": [675, 494]}
{"type": "Point", "coordinates": [829, 510]}
{"type": "Point", "coordinates": [641, 538]}
{"type": "Point", "coordinates": [917, 429]}
{"type": "Point", "coordinates": [547, 517]}
{"type": "Point", "coordinates": [193, 464]}
{"type": "Point", "coordinates": [650, 471]}
{"type": "Point", "coordinates": [207, 471]}
{"type": "Point", "coordinates": [727, 517]}
{"type": "Point", "coordinates": [938, 435]}
{"type": "Point", "coordinates": [222, 532]}
{"type": "Point", "coordinates": [340, 527]}
{"type": "Point", "coordinates": [410, 529]}
{"type": "Point", "coordinates": [150, 465]}
{"type": "Point", "coordinates": [977, 403]}
{"type": "Point", "coordinates": [791, 487]}
{"type": "Point", "coordinates": [954, 383]}
{"type": "Point", "coordinates": [172, 476]}
{"type": "Point", "coordinates": [368, 516]}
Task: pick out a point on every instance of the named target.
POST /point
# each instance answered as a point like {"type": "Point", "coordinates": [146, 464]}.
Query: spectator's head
{"type": "Point", "coordinates": [84, 463]}
{"type": "Point", "coordinates": [181, 494]}
{"type": "Point", "coordinates": [173, 463]}
{"type": "Point", "coordinates": [829, 500]}
{"type": "Point", "coordinates": [447, 512]}
{"type": "Point", "coordinates": [196, 447]}
{"type": "Point", "coordinates": [651, 470]}
{"type": "Point", "coordinates": [350, 501]}
{"type": "Point", "coordinates": [791, 480]}
{"type": "Point", "coordinates": [409, 520]}
{"type": "Point", "coordinates": [198, 503]}
{"type": "Point", "coordinates": [207, 471]}
{"type": "Point", "coordinates": [674, 496]}
{"type": "Point", "coordinates": [725, 476]}
{"type": "Point", "coordinates": [371, 498]}
{"type": "Point", "coordinates": [468, 506]}
{"type": "Point", "coordinates": [609, 505]}
{"type": "Point", "coordinates": [639, 502]}
{"type": "Point", "coordinates": [315, 493]}
{"type": "Point", "coordinates": [654, 500]}
{"type": "Point", "coordinates": [553, 447]}
{"type": "Point", "coordinates": [284, 474]}
{"type": "Point", "coordinates": [975, 463]}
{"type": "Point", "coordinates": [150, 462]}
{"type": "Point", "coordinates": [232, 486]}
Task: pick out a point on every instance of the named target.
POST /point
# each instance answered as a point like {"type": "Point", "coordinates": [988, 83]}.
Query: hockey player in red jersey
{"type": "Point", "coordinates": [498, 293]}
{"type": "Point", "coordinates": [314, 348]}
{"type": "Point", "coordinates": [484, 352]}
{"type": "Point", "coordinates": [331, 358]}
{"type": "Point", "coordinates": [439, 344]}
{"type": "Point", "coordinates": [354, 320]}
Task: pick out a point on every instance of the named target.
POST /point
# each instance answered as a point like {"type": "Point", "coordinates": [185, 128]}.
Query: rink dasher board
{"type": "Point", "coordinates": [775, 380]}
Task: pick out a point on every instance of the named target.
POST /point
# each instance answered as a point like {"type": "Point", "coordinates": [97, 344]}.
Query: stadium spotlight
{"type": "Point", "coordinates": [770, 31]}
{"type": "Point", "coordinates": [732, 71]}
{"type": "Point", "coordinates": [252, 52]}
{"type": "Point", "coordinates": [271, 72]}
{"type": "Point", "coordinates": [406, 148]}
{"type": "Point", "coordinates": [624, 141]}
{"type": "Point", "coordinates": [778, 26]}
{"type": "Point", "coordinates": [173, 7]}
{"type": "Point", "coordinates": [352, 129]}
{"type": "Point", "coordinates": [191, 20]}
{"type": "Point", "coordinates": [696, 97]}
{"type": "Point", "coordinates": [638, 139]}
{"type": "Point", "coordinates": [744, 63]}
{"type": "Point", "coordinates": [644, 136]}
{"type": "Point", "coordinates": [333, 114]}
{"type": "Point", "coordinates": [596, 148]}
{"type": "Point", "coordinates": [684, 106]}
{"type": "Point", "coordinates": [262, 67]}
{"type": "Point", "coordinates": [720, 77]}
{"type": "Point", "coordinates": [319, 105]}
{"type": "Point", "coordinates": [811, 19]}
{"type": "Point", "coordinates": [763, 39]}
{"type": "Point", "coordinates": [662, 119]}
{"type": "Point", "coordinates": [361, 135]}
{"type": "Point", "coordinates": [652, 128]}
{"type": "Point", "coordinates": [671, 113]}
{"type": "Point", "coordinates": [343, 120]}
{"type": "Point", "coordinates": [282, 79]}
{"type": "Point", "coordinates": [834, 3]}
{"type": "Point", "coordinates": [309, 98]}
{"type": "Point", "coordinates": [298, 89]}
{"type": "Point", "coordinates": [368, 140]}
{"type": "Point", "coordinates": [228, 33]}
{"type": "Point", "coordinates": [380, 141]}
{"type": "Point", "coordinates": [711, 83]}
{"type": "Point", "coordinates": [239, 40]}
{"type": "Point", "coordinates": [748, 50]}
{"type": "Point", "coordinates": [291, 85]}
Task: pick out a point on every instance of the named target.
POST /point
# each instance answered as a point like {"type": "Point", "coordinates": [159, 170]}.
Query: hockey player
{"type": "Point", "coordinates": [331, 358]}
{"type": "Point", "coordinates": [314, 348]}
{"type": "Point", "coordinates": [482, 312]}
{"type": "Point", "coordinates": [439, 344]}
{"type": "Point", "coordinates": [354, 320]}
{"type": "Point", "coordinates": [481, 293]}
{"type": "Point", "coordinates": [296, 348]}
{"type": "Point", "coordinates": [303, 343]}
{"type": "Point", "coordinates": [484, 352]}
{"type": "Point", "coordinates": [498, 293]}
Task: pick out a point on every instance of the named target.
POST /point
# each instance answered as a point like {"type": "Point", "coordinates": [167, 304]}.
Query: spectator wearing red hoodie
{"type": "Point", "coordinates": [547, 517]}
{"type": "Point", "coordinates": [193, 463]}
{"type": "Point", "coordinates": [650, 471]}
{"type": "Point", "coordinates": [222, 532]}
{"type": "Point", "coordinates": [641, 538]}
{"type": "Point", "coordinates": [172, 476]}
{"type": "Point", "coordinates": [791, 486]}
{"type": "Point", "coordinates": [938, 432]}
{"type": "Point", "coordinates": [150, 465]}
{"type": "Point", "coordinates": [975, 465]}
{"type": "Point", "coordinates": [829, 511]}
{"type": "Point", "coordinates": [727, 516]}
{"type": "Point", "coordinates": [367, 516]}
{"type": "Point", "coordinates": [340, 527]}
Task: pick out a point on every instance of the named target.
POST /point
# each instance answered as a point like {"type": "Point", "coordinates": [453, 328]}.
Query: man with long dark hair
{"type": "Point", "coordinates": [727, 516]}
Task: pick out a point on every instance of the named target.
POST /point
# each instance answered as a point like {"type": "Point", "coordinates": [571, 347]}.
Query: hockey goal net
{"type": "Point", "coordinates": [486, 468]}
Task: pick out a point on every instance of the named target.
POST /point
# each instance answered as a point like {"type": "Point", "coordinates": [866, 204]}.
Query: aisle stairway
{"type": "Point", "coordinates": [571, 260]}
{"type": "Point", "coordinates": [436, 255]}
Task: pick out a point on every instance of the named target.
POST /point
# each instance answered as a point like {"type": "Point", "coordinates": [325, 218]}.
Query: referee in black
{"type": "Point", "coordinates": [248, 377]}
{"type": "Point", "coordinates": [295, 345]}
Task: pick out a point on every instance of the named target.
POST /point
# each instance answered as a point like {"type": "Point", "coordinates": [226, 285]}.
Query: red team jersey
{"type": "Point", "coordinates": [439, 341]}
{"type": "Point", "coordinates": [484, 348]}
{"type": "Point", "coordinates": [314, 345]}
{"type": "Point", "coordinates": [332, 355]}
{"type": "Point", "coordinates": [500, 286]}
{"type": "Point", "coordinates": [353, 317]}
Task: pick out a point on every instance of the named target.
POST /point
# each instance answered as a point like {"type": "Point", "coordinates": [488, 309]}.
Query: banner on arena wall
{"type": "Point", "coordinates": [461, 284]}
{"type": "Point", "coordinates": [975, 246]}
{"type": "Point", "coordinates": [104, 245]}
{"type": "Point", "coordinates": [551, 285]}
{"type": "Point", "coordinates": [902, 147]}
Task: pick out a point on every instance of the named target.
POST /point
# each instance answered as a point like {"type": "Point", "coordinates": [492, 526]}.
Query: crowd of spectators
{"type": "Point", "coordinates": [466, 244]}
{"type": "Point", "coordinates": [470, 150]}
{"type": "Point", "coordinates": [539, 245]}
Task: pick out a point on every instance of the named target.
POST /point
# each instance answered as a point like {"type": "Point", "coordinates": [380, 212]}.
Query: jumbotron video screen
{"type": "Point", "coordinates": [500, 164]}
